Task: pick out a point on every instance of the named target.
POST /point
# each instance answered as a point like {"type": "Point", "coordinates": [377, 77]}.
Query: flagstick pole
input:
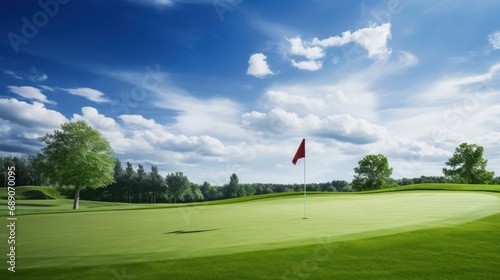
{"type": "Point", "coordinates": [305, 213]}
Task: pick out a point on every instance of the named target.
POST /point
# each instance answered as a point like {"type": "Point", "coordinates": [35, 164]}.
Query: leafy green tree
{"type": "Point", "coordinates": [139, 182]}
{"type": "Point", "coordinates": [205, 190]}
{"type": "Point", "coordinates": [34, 172]}
{"type": "Point", "coordinates": [115, 189]}
{"type": "Point", "coordinates": [234, 189]}
{"type": "Point", "coordinates": [156, 184]}
{"type": "Point", "coordinates": [177, 184]}
{"type": "Point", "coordinates": [129, 178]}
{"type": "Point", "coordinates": [78, 156]}
{"type": "Point", "coordinates": [467, 165]}
{"type": "Point", "coordinates": [372, 173]}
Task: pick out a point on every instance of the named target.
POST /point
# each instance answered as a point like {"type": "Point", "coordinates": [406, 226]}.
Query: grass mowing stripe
{"type": "Point", "coordinates": [159, 234]}
{"type": "Point", "coordinates": [466, 251]}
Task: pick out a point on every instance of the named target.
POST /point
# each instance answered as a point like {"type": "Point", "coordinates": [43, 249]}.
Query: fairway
{"type": "Point", "coordinates": [117, 237]}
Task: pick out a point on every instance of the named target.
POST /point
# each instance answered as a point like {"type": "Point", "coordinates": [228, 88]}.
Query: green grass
{"type": "Point", "coordinates": [33, 192]}
{"type": "Point", "coordinates": [445, 187]}
{"type": "Point", "coordinates": [418, 234]}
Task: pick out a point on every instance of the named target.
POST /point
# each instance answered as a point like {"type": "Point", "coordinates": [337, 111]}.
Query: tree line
{"type": "Point", "coordinates": [79, 161]}
{"type": "Point", "coordinates": [466, 166]}
{"type": "Point", "coordinates": [136, 185]}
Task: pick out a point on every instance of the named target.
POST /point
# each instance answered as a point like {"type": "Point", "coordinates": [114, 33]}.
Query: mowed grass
{"type": "Point", "coordinates": [267, 238]}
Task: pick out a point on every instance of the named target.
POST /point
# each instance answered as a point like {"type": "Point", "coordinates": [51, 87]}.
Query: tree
{"type": "Point", "coordinates": [177, 184]}
{"type": "Point", "coordinates": [129, 180]}
{"type": "Point", "coordinates": [77, 156]}
{"type": "Point", "coordinates": [467, 165]}
{"type": "Point", "coordinates": [140, 181]}
{"type": "Point", "coordinates": [205, 190]}
{"type": "Point", "coordinates": [114, 190]}
{"type": "Point", "coordinates": [234, 189]}
{"type": "Point", "coordinates": [156, 184]}
{"type": "Point", "coordinates": [372, 173]}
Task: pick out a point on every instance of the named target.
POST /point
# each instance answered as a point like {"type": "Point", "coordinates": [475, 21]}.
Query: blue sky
{"type": "Point", "coordinates": [215, 87]}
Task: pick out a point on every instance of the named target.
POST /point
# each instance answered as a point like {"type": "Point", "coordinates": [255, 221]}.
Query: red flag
{"type": "Point", "coordinates": [301, 152]}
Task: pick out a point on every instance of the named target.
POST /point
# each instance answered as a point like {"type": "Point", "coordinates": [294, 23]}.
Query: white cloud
{"type": "Point", "coordinates": [95, 119]}
{"type": "Point", "coordinates": [257, 66]}
{"type": "Point", "coordinates": [89, 93]}
{"type": "Point", "coordinates": [297, 48]}
{"type": "Point", "coordinates": [13, 74]}
{"type": "Point", "coordinates": [30, 115]}
{"type": "Point", "coordinates": [30, 93]}
{"type": "Point", "coordinates": [344, 127]}
{"type": "Point", "coordinates": [215, 117]}
{"type": "Point", "coordinates": [37, 76]}
{"type": "Point", "coordinates": [494, 39]}
{"type": "Point", "coordinates": [309, 65]}
{"type": "Point", "coordinates": [34, 75]}
{"type": "Point", "coordinates": [373, 39]}
{"type": "Point", "coordinates": [139, 120]}
{"type": "Point", "coordinates": [26, 123]}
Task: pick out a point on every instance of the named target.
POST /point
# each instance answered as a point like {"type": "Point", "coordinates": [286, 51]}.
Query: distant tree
{"type": "Point", "coordinates": [140, 182]}
{"type": "Point", "coordinates": [372, 173]}
{"type": "Point", "coordinates": [339, 184]}
{"type": "Point", "coordinates": [467, 165]}
{"type": "Point", "coordinates": [156, 185]}
{"type": "Point", "coordinates": [115, 189]}
{"type": "Point", "coordinates": [205, 190]}
{"type": "Point", "coordinates": [129, 180]}
{"type": "Point", "coordinates": [496, 180]}
{"type": "Point", "coordinates": [34, 170]}
{"type": "Point", "coordinates": [192, 193]}
{"type": "Point", "coordinates": [177, 184]}
{"type": "Point", "coordinates": [77, 156]}
{"type": "Point", "coordinates": [234, 189]}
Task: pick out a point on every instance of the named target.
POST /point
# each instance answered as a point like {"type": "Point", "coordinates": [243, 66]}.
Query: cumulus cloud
{"type": "Point", "coordinates": [374, 39]}
{"type": "Point", "coordinates": [344, 127]}
{"type": "Point", "coordinates": [494, 39]}
{"type": "Point", "coordinates": [141, 137]}
{"type": "Point", "coordinates": [257, 66]}
{"type": "Point", "coordinates": [25, 122]}
{"type": "Point", "coordinates": [138, 120]}
{"type": "Point", "coordinates": [30, 93]}
{"type": "Point", "coordinates": [29, 115]}
{"type": "Point", "coordinates": [215, 116]}
{"type": "Point", "coordinates": [309, 65]}
{"type": "Point", "coordinates": [89, 93]}
{"type": "Point", "coordinates": [298, 47]}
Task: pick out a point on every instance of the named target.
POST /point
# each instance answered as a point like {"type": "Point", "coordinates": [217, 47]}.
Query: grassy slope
{"type": "Point", "coordinates": [32, 192]}
{"type": "Point", "coordinates": [464, 251]}
{"type": "Point", "coordinates": [467, 251]}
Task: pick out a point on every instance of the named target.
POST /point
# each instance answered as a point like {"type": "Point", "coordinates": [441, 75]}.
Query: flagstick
{"type": "Point", "coordinates": [305, 216]}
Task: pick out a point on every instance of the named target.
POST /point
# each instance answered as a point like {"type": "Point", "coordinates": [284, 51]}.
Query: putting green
{"type": "Point", "coordinates": [94, 238]}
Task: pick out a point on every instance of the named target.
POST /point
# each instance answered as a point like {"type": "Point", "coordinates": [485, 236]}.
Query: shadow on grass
{"type": "Point", "coordinates": [190, 231]}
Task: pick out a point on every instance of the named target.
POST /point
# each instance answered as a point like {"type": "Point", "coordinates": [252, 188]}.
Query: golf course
{"type": "Point", "coordinates": [426, 231]}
